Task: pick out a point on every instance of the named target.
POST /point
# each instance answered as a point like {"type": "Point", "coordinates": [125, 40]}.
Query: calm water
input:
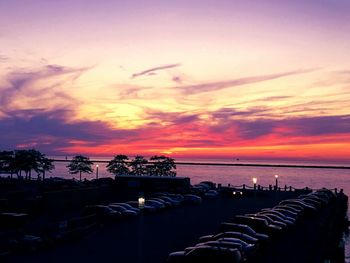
{"type": "Point", "coordinates": [238, 175]}
{"type": "Point", "coordinates": [235, 175]}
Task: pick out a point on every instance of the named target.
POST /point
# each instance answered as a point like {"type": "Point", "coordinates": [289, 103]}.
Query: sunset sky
{"type": "Point", "coordinates": [242, 79]}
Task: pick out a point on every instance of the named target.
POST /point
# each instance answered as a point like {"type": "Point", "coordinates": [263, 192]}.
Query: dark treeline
{"type": "Point", "coordinates": [23, 162]}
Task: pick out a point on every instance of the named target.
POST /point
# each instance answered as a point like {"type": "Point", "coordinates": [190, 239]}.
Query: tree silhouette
{"type": "Point", "coordinates": [162, 166]}
{"type": "Point", "coordinates": [45, 165]}
{"type": "Point", "coordinates": [138, 166]}
{"type": "Point", "coordinates": [7, 162]}
{"type": "Point", "coordinates": [27, 160]}
{"type": "Point", "coordinates": [118, 166]}
{"type": "Point", "coordinates": [80, 164]}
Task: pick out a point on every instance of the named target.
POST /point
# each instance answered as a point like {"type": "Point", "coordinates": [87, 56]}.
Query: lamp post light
{"type": "Point", "coordinates": [276, 177]}
{"type": "Point", "coordinates": [96, 171]}
{"type": "Point", "coordinates": [255, 180]}
{"type": "Point", "coordinates": [141, 202]}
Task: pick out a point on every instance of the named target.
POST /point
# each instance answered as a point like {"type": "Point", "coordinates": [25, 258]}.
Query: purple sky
{"type": "Point", "coordinates": [261, 78]}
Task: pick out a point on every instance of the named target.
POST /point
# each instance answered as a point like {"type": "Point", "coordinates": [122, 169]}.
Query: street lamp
{"type": "Point", "coordinates": [141, 202]}
{"type": "Point", "coordinates": [276, 177]}
{"type": "Point", "coordinates": [140, 239]}
{"type": "Point", "coordinates": [255, 180]}
{"type": "Point", "coordinates": [96, 171]}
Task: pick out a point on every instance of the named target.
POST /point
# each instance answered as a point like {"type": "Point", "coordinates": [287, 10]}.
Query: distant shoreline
{"type": "Point", "coordinates": [241, 164]}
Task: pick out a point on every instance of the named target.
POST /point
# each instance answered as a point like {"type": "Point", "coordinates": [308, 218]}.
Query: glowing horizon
{"type": "Point", "coordinates": [266, 79]}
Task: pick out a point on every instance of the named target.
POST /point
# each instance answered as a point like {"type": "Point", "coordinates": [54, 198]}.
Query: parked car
{"type": "Point", "coordinates": [224, 227]}
{"type": "Point", "coordinates": [103, 212]}
{"type": "Point", "coordinates": [294, 208]}
{"type": "Point", "coordinates": [270, 220]}
{"type": "Point", "coordinates": [220, 244]}
{"type": "Point", "coordinates": [177, 197]}
{"type": "Point", "coordinates": [210, 184]}
{"type": "Point", "coordinates": [147, 208]}
{"type": "Point", "coordinates": [13, 220]}
{"type": "Point", "coordinates": [223, 245]}
{"type": "Point", "coordinates": [246, 238]}
{"type": "Point", "coordinates": [127, 206]}
{"type": "Point", "coordinates": [291, 210]}
{"type": "Point", "coordinates": [204, 186]}
{"type": "Point", "coordinates": [158, 205]}
{"type": "Point", "coordinates": [170, 200]}
{"type": "Point", "coordinates": [279, 217]}
{"type": "Point", "coordinates": [298, 202]}
{"type": "Point", "coordinates": [318, 200]}
{"type": "Point", "coordinates": [211, 194]}
{"type": "Point", "coordinates": [124, 212]}
{"type": "Point", "coordinates": [192, 199]}
{"type": "Point", "coordinates": [248, 249]}
{"type": "Point", "coordinates": [275, 215]}
{"type": "Point", "coordinates": [314, 202]}
{"type": "Point", "coordinates": [199, 189]}
{"type": "Point", "coordinates": [208, 254]}
{"type": "Point", "coordinates": [160, 200]}
{"type": "Point", "coordinates": [285, 212]}
{"type": "Point", "coordinates": [258, 224]}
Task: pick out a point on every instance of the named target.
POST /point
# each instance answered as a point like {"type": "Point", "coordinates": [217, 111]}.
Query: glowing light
{"type": "Point", "coordinates": [255, 180]}
{"type": "Point", "coordinates": [141, 202]}
{"type": "Point", "coordinates": [96, 171]}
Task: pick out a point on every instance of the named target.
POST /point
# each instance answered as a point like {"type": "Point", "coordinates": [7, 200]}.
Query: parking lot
{"type": "Point", "coordinates": [151, 237]}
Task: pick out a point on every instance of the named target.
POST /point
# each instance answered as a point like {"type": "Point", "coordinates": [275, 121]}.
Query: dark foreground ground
{"type": "Point", "coordinates": [150, 238]}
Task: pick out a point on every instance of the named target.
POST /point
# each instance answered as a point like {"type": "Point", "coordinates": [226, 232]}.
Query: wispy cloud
{"type": "Point", "coordinates": [215, 86]}
{"type": "Point", "coordinates": [151, 71]}
{"type": "Point", "coordinates": [227, 126]}
{"type": "Point", "coordinates": [3, 58]}
{"type": "Point", "coordinates": [250, 125]}
{"type": "Point", "coordinates": [39, 86]}
{"type": "Point", "coordinates": [177, 79]}
{"type": "Point", "coordinates": [126, 91]}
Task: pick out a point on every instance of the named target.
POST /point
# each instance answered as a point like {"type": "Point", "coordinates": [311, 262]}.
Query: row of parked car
{"type": "Point", "coordinates": [241, 238]}
{"type": "Point", "coordinates": [129, 209]}
{"type": "Point", "coordinates": [205, 189]}
{"type": "Point", "coordinates": [155, 202]}
{"type": "Point", "coordinates": [14, 239]}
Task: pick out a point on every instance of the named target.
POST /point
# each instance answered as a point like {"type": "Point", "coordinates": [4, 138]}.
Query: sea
{"type": "Point", "coordinates": [314, 178]}
{"type": "Point", "coordinates": [296, 177]}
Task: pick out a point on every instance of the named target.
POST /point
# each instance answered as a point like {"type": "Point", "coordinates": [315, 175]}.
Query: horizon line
{"type": "Point", "coordinates": [238, 164]}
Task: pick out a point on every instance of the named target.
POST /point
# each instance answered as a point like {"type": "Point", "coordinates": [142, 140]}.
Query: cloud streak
{"type": "Point", "coordinates": [3, 58]}
{"type": "Point", "coordinates": [152, 71]}
{"type": "Point", "coordinates": [38, 87]}
{"type": "Point", "coordinates": [215, 86]}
